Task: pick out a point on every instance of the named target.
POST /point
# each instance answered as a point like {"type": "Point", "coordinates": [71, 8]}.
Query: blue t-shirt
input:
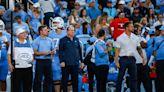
{"type": "Point", "coordinates": [159, 47]}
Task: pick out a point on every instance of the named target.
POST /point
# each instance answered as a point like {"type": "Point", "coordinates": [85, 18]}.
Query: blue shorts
{"type": "Point", "coordinates": [57, 75]}
{"type": "Point", "coordinates": [3, 70]}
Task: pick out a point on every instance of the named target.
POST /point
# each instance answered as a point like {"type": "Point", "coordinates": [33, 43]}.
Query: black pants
{"type": "Point", "coordinates": [47, 17]}
{"type": "Point", "coordinates": [143, 76]}
{"type": "Point", "coordinates": [101, 77]}
{"type": "Point", "coordinates": [160, 76]}
{"type": "Point", "coordinates": [73, 70]}
{"type": "Point", "coordinates": [130, 64]}
{"type": "Point", "coordinates": [43, 67]}
{"type": "Point", "coordinates": [91, 72]}
{"type": "Point", "coordinates": [22, 79]}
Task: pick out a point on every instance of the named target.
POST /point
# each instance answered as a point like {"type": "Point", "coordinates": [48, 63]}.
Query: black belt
{"type": "Point", "coordinates": [43, 59]}
{"type": "Point", "coordinates": [126, 56]}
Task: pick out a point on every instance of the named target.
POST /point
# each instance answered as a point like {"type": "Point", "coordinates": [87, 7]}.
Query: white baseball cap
{"type": "Point", "coordinates": [19, 31]}
{"type": "Point", "coordinates": [121, 2]}
{"type": "Point", "coordinates": [36, 5]}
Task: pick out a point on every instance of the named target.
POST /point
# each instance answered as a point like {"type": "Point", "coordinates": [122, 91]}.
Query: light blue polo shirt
{"type": "Point", "coordinates": [43, 45]}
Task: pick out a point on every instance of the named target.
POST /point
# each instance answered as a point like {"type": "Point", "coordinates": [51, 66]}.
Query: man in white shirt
{"type": "Point", "coordinates": [127, 46]}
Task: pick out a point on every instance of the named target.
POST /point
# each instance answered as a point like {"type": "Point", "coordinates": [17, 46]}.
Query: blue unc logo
{"type": "Point", "coordinates": [24, 56]}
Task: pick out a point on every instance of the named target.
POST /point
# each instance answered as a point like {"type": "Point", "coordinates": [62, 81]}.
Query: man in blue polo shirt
{"type": "Point", "coordinates": [159, 57]}
{"type": "Point", "coordinates": [43, 50]}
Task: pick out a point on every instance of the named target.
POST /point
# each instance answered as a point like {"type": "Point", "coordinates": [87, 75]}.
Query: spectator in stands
{"type": "Point", "coordinates": [102, 4]}
{"type": "Point", "coordinates": [122, 8]}
{"type": "Point", "coordinates": [48, 9]}
{"type": "Point", "coordinates": [144, 22]}
{"type": "Point", "coordinates": [142, 8]}
{"type": "Point", "coordinates": [151, 17]}
{"type": "Point", "coordinates": [74, 19]}
{"type": "Point", "coordinates": [136, 17]}
{"type": "Point", "coordinates": [43, 47]}
{"type": "Point", "coordinates": [92, 11]}
{"type": "Point", "coordinates": [160, 20]}
{"type": "Point", "coordinates": [77, 7]}
{"type": "Point", "coordinates": [110, 10]}
{"type": "Point", "coordinates": [96, 30]}
{"type": "Point", "coordinates": [93, 26]}
{"type": "Point", "coordinates": [161, 6]}
{"type": "Point", "coordinates": [23, 60]}
{"type": "Point", "coordinates": [105, 26]}
{"type": "Point", "coordinates": [83, 16]}
{"type": "Point", "coordinates": [117, 25]}
{"type": "Point", "coordinates": [63, 11]}
{"type": "Point", "coordinates": [131, 5]}
{"type": "Point", "coordinates": [101, 61]}
{"type": "Point", "coordinates": [71, 4]}
{"type": "Point", "coordinates": [4, 44]}
{"type": "Point", "coordinates": [2, 11]}
{"type": "Point", "coordinates": [84, 29]}
{"type": "Point", "coordinates": [148, 4]}
{"type": "Point", "coordinates": [20, 24]}
{"type": "Point", "coordinates": [103, 15]}
{"type": "Point", "coordinates": [57, 6]}
{"type": "Point", "coordinates": [17, 11]}
{"type": "Point", "coordinates": [36, 18]}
